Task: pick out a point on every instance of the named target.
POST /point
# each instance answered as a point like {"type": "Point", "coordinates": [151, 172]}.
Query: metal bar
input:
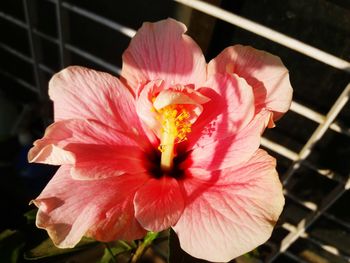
{"type": "Point", "coordinates": [32, 46]}
{"type": "Point", "coordinates": [319, 132]}
{"type": "Point", "coordinates": [23, 25]}
{"type": "Point", "coordinates": [19, 81]}
{"type": "Point", "coordinates": [289, 227]}
{"type": "Point", "coordinates": [309, 205]}
{"type": "Point", "coordinates": [341, 222]}
{"type": "Point", "coordinates": [279, 149]}
{"type": "Point", "coordinates": [22, 116]}
{"type": "Point", "coordinates": [322, 128]}
{"type": "Point", "coordinates": [313, 208]}
{"type": "Point", "coordinates": [16, 53]}
{"type": "Point", "coordinates": [24, 57]}
{"type": "Point", "coordinates": [13, 20]}
{"type": "Point", "coordinates": [127, 31]}
{"type": "Point", "coordinates": [61, 41]}
{"type": "Point", "coordinates": [71, 48]}
{"type": "Point", "coordinates": [305, 111]}
{"type": "Point", "coordinates": [82, 53]}
{"type": "Point", "coordinates": [268, 33]}
{"type": "Point", "coordinates": [45, 36]}
{"type": "Point", "coordinates": [295, 257]}
{"type": "Point", "coordinates": [330, 249]}
{"type": "Point", "coordinates": [326, 173]}
{"type": "Point", "coordinates": [93, 58]}
{"type": "Point", "coordinates": [337, 126]}
{"type": "Point", "coordinates": [310, 219]}
{"type": "Point", "coordinates": [46, 69]}
{"type": "Point", "coordinates": [293, 156]}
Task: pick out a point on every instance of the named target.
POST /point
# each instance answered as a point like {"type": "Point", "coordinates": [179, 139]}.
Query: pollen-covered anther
{"type": "Point", "coordinates": [175, 122]}
{"type": "Point", "coordinates": [175, 126]}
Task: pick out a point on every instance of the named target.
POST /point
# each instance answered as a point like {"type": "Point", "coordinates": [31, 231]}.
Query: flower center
{"type": "Point", "coordinates": [175, 127]}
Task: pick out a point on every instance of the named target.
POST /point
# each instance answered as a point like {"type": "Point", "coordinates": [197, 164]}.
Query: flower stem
{"type": "Point", "coordinates": [141, 249]}
{"type": "Point", "coordinates": [125, 244]}
{"type": "Point", "coordinates": [110, 252]}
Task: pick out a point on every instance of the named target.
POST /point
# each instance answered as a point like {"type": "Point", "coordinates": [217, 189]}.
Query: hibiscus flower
{"type": "Point", "coordinates": [173, 143]}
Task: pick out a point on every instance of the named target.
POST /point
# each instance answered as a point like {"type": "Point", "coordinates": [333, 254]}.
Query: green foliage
{"type": "Point", "coordinates": [47, 249]}
{"type": "Point", "coordinates": [29, 243]}
{"type": "Point", "coordinates": [11, 246]}
{"type": "Point", "coordinates": [30, 216]}
{"type": "Point", "coordinates": [113, 250]}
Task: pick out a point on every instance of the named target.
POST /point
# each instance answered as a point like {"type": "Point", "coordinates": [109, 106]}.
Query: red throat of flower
{"type": "Point", "coordinates": [175, 126]}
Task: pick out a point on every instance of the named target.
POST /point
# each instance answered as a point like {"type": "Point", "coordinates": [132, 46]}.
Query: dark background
{"type": "Point", "coordinates": [32, 48]}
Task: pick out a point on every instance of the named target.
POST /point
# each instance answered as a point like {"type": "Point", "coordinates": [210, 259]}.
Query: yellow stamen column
{"type": "Point", "coordinates": [175, 126]}
{"type": "Point", "coordinates": [167, 145]}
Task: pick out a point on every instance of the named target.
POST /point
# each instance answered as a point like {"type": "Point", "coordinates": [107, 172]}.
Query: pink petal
{"type": "Point", "coordinates": [102, 161]}
{"type": "Point", "coordinates": [232, 211]}
{"type": "Point", "coordinates": [96, 150]}
{"type": "Point", "coordinates": [192, 93]}
{"type": "Point", "coordinates": [159, 203]}
{"type": "Point", "coordinates": [46, 151]}
{"type": "Point", "coordinates": [229, 151]}
{"type": "Point", "coordinates": [161, 51]}
{"type": "Point", "coordinates": [144, 105]}
{"type": "Point", "coordinates": [182, 95]}
{"type": "Point", "coordinates": [262, 70]}
{"type": "Point", "coordinates": [231, 108]}
{"type": "Point", "coordinates": [81, 93]}
{"type": "Point", "coordinates": [170, 97]}
{"type": "Point", "coordinates": [103, 209]}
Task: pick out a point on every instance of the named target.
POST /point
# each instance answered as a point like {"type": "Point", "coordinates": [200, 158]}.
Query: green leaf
{"type": "Point", "coordinates": [11, 246]}
{"type": "Point", "coordinates": [113, 250]}
{"type": "Point", "coordinates": [252, 254]}
{"type": "Point", "coordinates": [31, 215]}
{"type": "Point", "coordinates": [109, 254]}
{"type": "Point", "coordinates": [47, 249]}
